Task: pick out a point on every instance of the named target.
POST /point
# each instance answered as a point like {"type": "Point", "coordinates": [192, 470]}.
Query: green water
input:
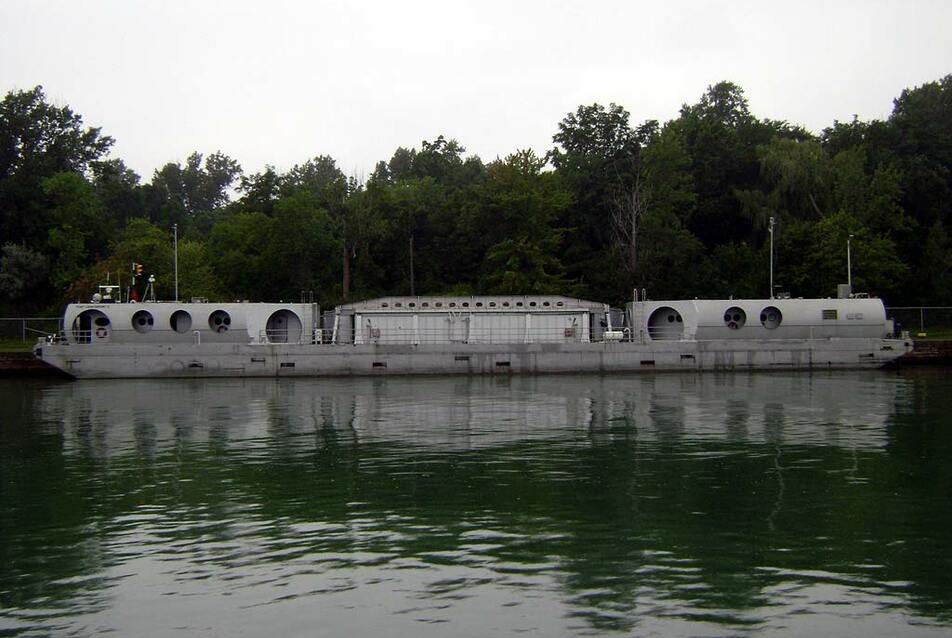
{"type": "Point", "coordinates": [721, 505]}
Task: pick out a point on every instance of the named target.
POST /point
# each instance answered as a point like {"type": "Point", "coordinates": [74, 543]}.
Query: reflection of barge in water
{"type": "Point", "coordinates": [838, 409]}
{"type": "Point", "coordinates": [468, 335]}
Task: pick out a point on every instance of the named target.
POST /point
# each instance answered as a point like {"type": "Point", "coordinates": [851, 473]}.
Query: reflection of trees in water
{"type": "Point", "coordinates": [919, 449]}
{"type": "Point", "coordinates": [611, 486]}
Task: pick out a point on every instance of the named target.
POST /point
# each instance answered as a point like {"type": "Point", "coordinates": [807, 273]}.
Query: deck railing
{"type": "Point", "coordinates": [367, 336]}
{"type": "Point", "coordinates": [920, 321]}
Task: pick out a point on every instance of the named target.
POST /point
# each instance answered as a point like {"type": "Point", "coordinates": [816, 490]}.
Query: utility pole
{"type": "Point", "coordinates": [412, 291]}
{"type": "Point", "coordinates": [849, 265]}
{"type": "Point", "coordinates": [175, 251]}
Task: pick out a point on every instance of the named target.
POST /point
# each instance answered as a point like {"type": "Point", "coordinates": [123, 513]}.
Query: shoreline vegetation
{"type": "Point", "coordinates": [681, 208]}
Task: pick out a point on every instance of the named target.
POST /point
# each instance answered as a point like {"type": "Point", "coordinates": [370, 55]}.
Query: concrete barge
{"type": "Point", "coordinates": [468, 335]}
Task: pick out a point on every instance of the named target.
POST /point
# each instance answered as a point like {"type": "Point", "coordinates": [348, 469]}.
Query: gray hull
{"type": "Point", "coordinates": [278, 360]}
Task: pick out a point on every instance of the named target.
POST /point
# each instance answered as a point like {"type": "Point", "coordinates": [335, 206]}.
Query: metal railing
{"type": "Point", "coordinates": [929, 320]}
{"type": "Point", "coordinates": [369, 336]}
{"type": "Point", "coordinates": [27, 329]}
{"type": "Point", "coordinates": [373, 335]}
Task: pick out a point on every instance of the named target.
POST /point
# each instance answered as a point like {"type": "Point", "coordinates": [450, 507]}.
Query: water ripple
{"type": "Point", "coordinates": [650, 505]}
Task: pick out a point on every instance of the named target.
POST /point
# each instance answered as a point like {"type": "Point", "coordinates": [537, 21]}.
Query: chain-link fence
{"type": "Point", "coordinates": [923, 321]}
{"type": "Point", "coordinates": [27, 329]}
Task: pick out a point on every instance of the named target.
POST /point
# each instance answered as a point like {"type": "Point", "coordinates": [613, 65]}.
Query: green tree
{"type": "Point", "coordinates": [261, 191]}
{"type": "Point", "coordinates": [22, 271]}
{"type": "Point", "coordinates": [811, 258]}
{"type": "Point", "coordinates": [328, 189]}
{"type": "Point", "coordinates": [151, 246]}
{"type": "Point", "coordinates": [798, 173]}
{"type": "Point", "coordinates": [738, 270]}
{"type": "Point", "coordinates": [193, 193]}
{"type": "Point", "coordinates": [722, 138]}
{"type": "Point", "coordinates": [197, 277]}
{"type": "Point", "coordinates": [79, 232]}
{"type": "Point", "coordinates": [301, 250]}
{"type": "Point", "coordinates": [522, 205]}
{"type": "Point", "coordinates": [406, 208]}
{"type": "Point", "coordinates": [441, 160]}
{"type": "Point", "coordinates": [37, 141]}
{"type": "Point", "coordinates": [673, 261]}
{"type": "Point", "coordinates": [118, 190]}
{"type": "Point", "coordinates": [139, 242]}
{"type": "Point", "coordinates": [400, 165]}
{"type": "Point", "coordinates": [366, 230]}
{"type": "Point", "coordinates": [236, 247]}
{"type": "Point", "coordinates": [596, 155]}
{"type": "Point", "coordinates": [874, 198]}
{"type": "Point", "coordinates": [936, 269]}
{"type": "Point", "coordinates": [657, 190]}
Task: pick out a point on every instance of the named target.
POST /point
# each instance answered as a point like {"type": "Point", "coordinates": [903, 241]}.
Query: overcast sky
{"type": "Point", "coordinates": [277, 82]}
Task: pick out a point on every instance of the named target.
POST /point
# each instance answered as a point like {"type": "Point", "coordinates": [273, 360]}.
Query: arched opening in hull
{"type": "Point", "coordinates": [666, 324]}
{"type": "Point", "coordinates": [90, 326]}
{"type": "Point", "coordinates": [284, 326]}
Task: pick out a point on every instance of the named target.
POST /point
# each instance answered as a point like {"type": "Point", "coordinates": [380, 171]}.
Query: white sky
{"type": "Point", "coordinates": [277, 82]}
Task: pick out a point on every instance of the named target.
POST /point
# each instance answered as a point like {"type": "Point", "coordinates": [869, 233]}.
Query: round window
{"type": "Point", "coordinates": [219, 321]}
{"type": "Point", "coordinates": [771, 317]}
{"type": "Point", "coordinates": [735, 318]}
{"type": "Point", "coordinates": [142, 321]}
{"type": "Point", "coordinates": [180, 321]}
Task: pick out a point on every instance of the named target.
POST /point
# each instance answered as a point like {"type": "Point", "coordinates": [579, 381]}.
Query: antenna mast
{"type": "Point", "coordinates": [770, 227]}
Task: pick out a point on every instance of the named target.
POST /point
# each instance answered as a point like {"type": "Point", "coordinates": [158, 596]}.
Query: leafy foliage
{"type": "Point", "coordinates": [680, 208]}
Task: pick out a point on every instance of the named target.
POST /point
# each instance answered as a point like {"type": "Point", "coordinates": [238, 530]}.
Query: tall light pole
{"type": "Point", "coordinates": [412, 290]}
{"type": "Point", "coordinates": [849, 265]}
{"type": "Point", "coordinates": [770, 227]}
{"type": "Point", "coordinates": [175, 252]}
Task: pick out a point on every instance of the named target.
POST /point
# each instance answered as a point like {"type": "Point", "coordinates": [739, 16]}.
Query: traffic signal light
{"type": "Point", "coordinates": [136, 269]}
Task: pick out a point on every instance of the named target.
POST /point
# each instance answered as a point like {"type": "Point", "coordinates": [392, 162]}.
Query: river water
{"type": "Point", "coordinates": [787, 504]}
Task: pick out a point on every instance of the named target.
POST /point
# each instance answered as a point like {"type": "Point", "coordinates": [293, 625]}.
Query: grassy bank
{"type": "Point", "coordinates": [937, 334]}
{"type": "Point", "coordinates": [15, 345]}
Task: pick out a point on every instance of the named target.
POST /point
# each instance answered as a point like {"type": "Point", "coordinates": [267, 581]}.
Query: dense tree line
{"type": "Point", "coordinates": [679, 208]}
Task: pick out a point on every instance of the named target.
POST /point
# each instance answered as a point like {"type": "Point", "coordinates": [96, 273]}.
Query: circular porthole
{"type": "Point", "coordinates": [142, 321]}
{"type": "Point", "coordinates": [180, 321]}
{"type": "Point", "coordinates": [771, 317]}
{"type": "Point", "coordinates": [219, 321]}
{"type": "Point", "coordinates": [735, 318]}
